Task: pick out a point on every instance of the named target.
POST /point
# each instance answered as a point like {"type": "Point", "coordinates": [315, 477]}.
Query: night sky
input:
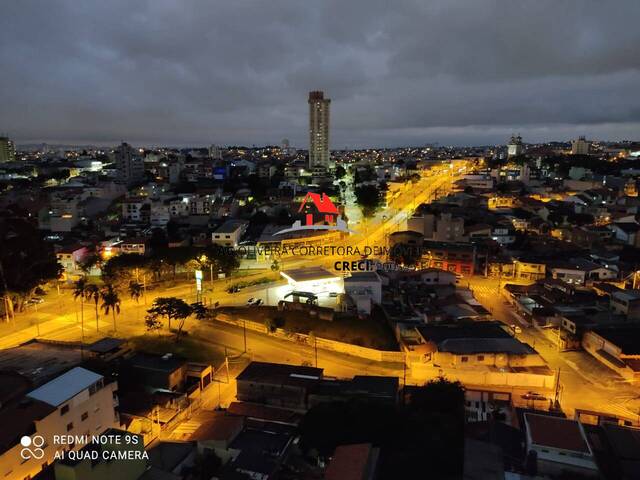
{"type": "Point", "coordinates": [398, 72]}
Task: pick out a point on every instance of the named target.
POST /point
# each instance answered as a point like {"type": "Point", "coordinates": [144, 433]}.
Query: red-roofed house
{"type": "Point", "coordinates": [559, 446]}
{"type": "Point", "coordinates": [353, 462]}
{"type": "Point", "coordinates": [324, 205]}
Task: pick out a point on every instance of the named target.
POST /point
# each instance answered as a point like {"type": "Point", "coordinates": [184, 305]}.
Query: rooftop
{"type": "Point", "coordinates": [66, 386]}
{"type": "Point", "coordinates": [623, 336]}
{"type": "Point", "coordinates": [362, 277]}
{"type": "Point", "coordinates": [556, 432]}
{"type": "Point", "coordinates": [485, 345]}
{"type": "Point", "coordinates": [352, 462]}
{"type": "Point", "coordinates": [230, 226]}
{"type": "Point", "coordinates": [307, 274]}
{"type": "Point", "coordinates": [18, 421]}
{"type": "Point", "coordinates": [280, 374]}
{"type": "Point", "coordinates": [162, 363]}
{"type": "Point", "coordinates": [439, 333]}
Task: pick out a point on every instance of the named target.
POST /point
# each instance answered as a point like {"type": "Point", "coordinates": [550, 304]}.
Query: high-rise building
{"type": "Point", "coordinates": [318, 130]}
{"type": "Point", "coordinates": [130, 165]}
{"type": "Point", "coordinates": [515, 146]}
{"type": "Point", "coordinates": [580, 146]}
{"type": "Point", "coordinates": [214, 152]}
{"type": "Point", "coordinates": [7, 150]}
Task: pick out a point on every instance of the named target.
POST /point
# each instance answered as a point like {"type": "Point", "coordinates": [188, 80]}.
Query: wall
{"type": "Point", "coordinates": [322, 343]}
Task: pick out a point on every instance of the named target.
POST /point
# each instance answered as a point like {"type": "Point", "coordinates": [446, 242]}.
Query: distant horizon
{"type": "Point", "coordinates": [194, 145]}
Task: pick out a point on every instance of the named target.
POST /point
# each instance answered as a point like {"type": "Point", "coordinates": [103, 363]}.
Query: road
{"type": "Point", "coordinates": [585, 382]}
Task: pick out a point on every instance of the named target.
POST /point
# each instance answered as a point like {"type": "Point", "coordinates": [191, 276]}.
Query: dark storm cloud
{"type": "Point", "coordinates": [185, 72]}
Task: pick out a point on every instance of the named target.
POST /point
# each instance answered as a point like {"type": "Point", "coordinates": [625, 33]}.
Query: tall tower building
{"type": "Point", "coordinates": [7, 150]}
{"type": "Point", "coordinates": [580, 146]}
{"type": "Point", "coordinates": [318, 130]}
{"type": "Point", "coordinates": [515, 146]}
{"type": "Point", "coordinates": [129, 165]}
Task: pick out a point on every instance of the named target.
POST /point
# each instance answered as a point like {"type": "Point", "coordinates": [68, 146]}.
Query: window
{"type": "Point", "coordinates": [69, 426]}
{"type": "Point", "coordinates": [480, 358]}
{"type": "Point", "coordinates": [464, 359]}
{"type": "Point", "coordinates": [84, 416]}
{"type": "Point", "coordinates": [64, 410]}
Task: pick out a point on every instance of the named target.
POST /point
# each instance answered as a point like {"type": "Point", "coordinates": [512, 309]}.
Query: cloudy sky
{"type": "Point", "coordinates": [182, 72]}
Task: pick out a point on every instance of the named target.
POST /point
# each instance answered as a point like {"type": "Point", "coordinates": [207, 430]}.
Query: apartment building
{"type": "Point", "coordinates": [78, 402]}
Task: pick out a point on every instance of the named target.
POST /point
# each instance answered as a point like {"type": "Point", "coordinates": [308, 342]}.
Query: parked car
{"type": "Point", "coordinates": [250, 301]}
{"type": "Point", "coordinates": [35, 301]}
{"type": "Point", "coordinates": [533, 396]}
{"type": "Point", "coordinates": [257, 302]}
{"type": "Point", "coordinates": [516, 329]}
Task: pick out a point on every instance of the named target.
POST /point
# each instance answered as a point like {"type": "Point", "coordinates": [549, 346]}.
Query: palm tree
{"type": "Point", "coordinates": [93, 293]}
{"type": "Point", "coordinates": [135, 290]}
{"type": "Point", "coordinates": [110, 302]}
{"type": "Point", "coordinates": [80, 291]}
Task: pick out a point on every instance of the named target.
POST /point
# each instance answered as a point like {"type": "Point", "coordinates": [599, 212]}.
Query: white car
{"type": "Point", "coordinates": [250, 301]}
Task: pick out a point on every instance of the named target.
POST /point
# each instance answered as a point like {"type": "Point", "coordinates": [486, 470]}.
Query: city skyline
{"type": "Point", "coordinates": [449, 73]}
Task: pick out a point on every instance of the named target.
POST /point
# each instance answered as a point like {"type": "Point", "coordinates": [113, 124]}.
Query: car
{"type": "Point", "coordinates": [251, 301]}
{"type": "Point", "coordinates": [35, 301]}
{"type": "Point", "coordinates": [533, 396]}
{"type": "Point", "coordinates": [257, 302]}
{"type": "Point", "coordinates": [516, 328]}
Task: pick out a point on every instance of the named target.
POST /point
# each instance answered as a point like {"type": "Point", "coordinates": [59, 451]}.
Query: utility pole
{"type": "Point", "coordinates": [557, 395]}
{"type": "Point", "coordinates": [315, 347]}
{"type": "Point", "coordinates": [226, 362]}
{"type": "Point", "coordinates": [244, 332]}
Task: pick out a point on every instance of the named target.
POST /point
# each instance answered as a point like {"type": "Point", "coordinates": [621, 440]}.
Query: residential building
{"type": "Point", "coordinates": [166, 372]}
{"type": "Point", "coordinates": [319, 130]}
{"type": "Point", "coordinates": [7, 150]}
{"type": "Point", "coordinates": [579, 271]}
{"type": "Point", "coordinates": [626, 302]}
{"type": "Point", "coordinates": [130, 165]}
{"type": "Point", "coordinates": [229, 233]}
{"type": "Point", "coordinates": [365, 289]}
{"type": "Point", "coordinates": [115, 442]}
{"type": "Point", "coordinates": [71, 258]}
{"type": "Point", "coordinates": [78, 402]}
{"type": "Point", "coordinates": [617, 347]}
{"type": "Point", "coordinates": [449, 229]}
{"type": "Point", "coordinates": [559, 446]}
{"type": "Point", "coordinates": [277, 384]}
{"type": "Point", "coordinates": [515, 146]}
{"type": "Point", "coordinates": [580, 146]}
{"type": "Point", "coordinates": [353, 462]}
{"type": "Point", "coordinates": [458, 258]}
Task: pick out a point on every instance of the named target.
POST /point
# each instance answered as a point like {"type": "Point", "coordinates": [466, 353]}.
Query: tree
{"type": "Point", "coordinates": [270, 325]}
{"type": "Point", "coordinates": [110, 302]}
{"type": "Point", "coordinates": [152, 323]}
{"type": "Point", "coordinates": [26, 262]}
{"type": "Point", "coordinates": [92, 292]}
{"type": "Point", "coordinates": [135, 290]}
{"type": "Point", "coordinates": [200, 311]}
{"type": "Point", "coordinates": [340, 172]}
{"type": "Point", "coordinates": [80, 291]}
{"type": "Point", "coordinates": [368, 198]}
{"type": "Point", "coordinates": [171, 308]}
{"type": "Point", "coordinates": [121, 269]}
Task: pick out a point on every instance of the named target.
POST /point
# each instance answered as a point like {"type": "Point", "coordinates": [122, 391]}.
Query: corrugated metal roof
{"type": "Point", "coordinates": [66, 386]}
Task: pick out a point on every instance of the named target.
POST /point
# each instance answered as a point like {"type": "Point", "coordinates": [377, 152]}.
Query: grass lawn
{"type": "Point", "coordinates": [370, 332]}
{"type": "Point", "coordinates": [189, 347]}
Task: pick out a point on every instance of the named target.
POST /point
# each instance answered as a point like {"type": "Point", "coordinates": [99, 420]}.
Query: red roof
{"type": "Point", "coordinates": [556, 432]}
{"type": "Point", "coordinates": [350, 462]}
{"type": "Point", "coordinates": [323, 203]}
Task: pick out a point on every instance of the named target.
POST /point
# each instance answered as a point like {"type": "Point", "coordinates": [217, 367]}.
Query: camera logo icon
{"type": "Point", "coordinates": [32, 447]}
